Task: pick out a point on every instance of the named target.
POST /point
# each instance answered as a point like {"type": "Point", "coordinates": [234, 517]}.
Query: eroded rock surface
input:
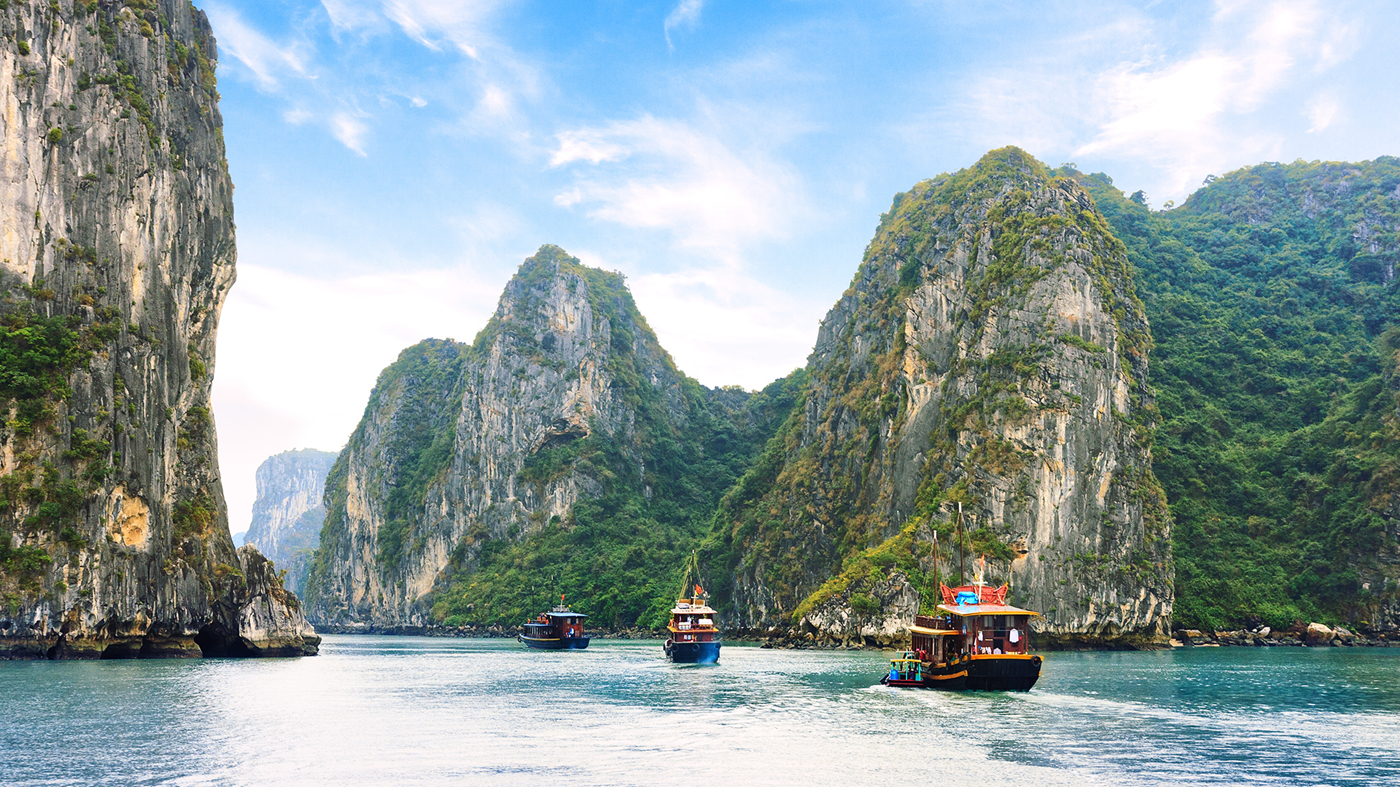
{"type": "Point", "coordinates": [289, 510]}
{"type": "Point", "coordinates": [565, 392]}
{"type": "Point", "coordinates": [116, 252]}
{"type": "Point", "coordinates": [990, 352]}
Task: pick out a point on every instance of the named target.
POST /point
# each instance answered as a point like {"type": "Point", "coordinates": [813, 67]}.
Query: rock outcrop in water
{"type": "Point", "coordinates": [117, 250]}
{"type": "Point", "coordinates": [564, 431]}
{"type": "Point", "coordinates": [289, 511]}
{"type": "Point", "coordinates": [990, 353]}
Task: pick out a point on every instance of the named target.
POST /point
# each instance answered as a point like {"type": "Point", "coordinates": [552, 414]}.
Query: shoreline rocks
{"type": "Point", "coordinates": [1313, 635]}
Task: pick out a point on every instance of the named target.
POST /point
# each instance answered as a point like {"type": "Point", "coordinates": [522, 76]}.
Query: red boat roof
{"type": "Point", "coordinates": [978, 600]}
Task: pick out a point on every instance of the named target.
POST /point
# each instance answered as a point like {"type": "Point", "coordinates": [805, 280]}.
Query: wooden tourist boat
{"type": "Point", "coordinates": [977, 642]}
{"type": "Point", "coordinates": [693, 637]}
{"type": "Point", "coordinates": [558, 629]}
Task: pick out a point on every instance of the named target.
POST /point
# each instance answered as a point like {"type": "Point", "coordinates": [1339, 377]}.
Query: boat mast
{"type": "Point", "coordinates": [937, 583]}
{"type": "Point", "coordinates": [692, 564]}
{"type": "Point", "coordinates": [961, 578]}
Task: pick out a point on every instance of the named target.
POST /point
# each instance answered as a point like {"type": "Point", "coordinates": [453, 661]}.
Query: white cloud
{"type": "Point", "coordinates": [263, 57]}
{"type": "Point", "coordinates": [1321, 112]}
{"type": "Point", "coordinates": [751, 331]}
{"type": "Point", "coordinates": [350, 130]}
{"type": "Point", "coordinates": [1183, 114]}
{"type": "Point", "coordinates": [587, 144]}
{"type": "Point", "coordinates": [436, 24]}
{"type": "Point", "coordinates": [298, 356]}
{"type": "Point", "coordinates": [673, 177]}
{"type": "Point", "coordinates": [686, 13]}
{"type": "Point", "coordinates": [297, 115]}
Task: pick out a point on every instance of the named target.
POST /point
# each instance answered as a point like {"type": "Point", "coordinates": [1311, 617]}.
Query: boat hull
{"type": "Point", "coordinates": [981, 673]}
{"type": "Point", "coordinates": [554, 643]}
{"type": "Point", "coordinates": [1002, 672]}
{"type": "Point", "coordinates": [692, 652]}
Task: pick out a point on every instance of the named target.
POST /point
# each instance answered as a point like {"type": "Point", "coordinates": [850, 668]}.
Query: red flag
{"type": "Point", "coordinates": [699, 591]}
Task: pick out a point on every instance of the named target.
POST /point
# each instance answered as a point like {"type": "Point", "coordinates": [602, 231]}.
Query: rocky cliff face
{"type": "Point", "coordinates": [117, 250]}
{"type": "Point", "coordinates": [1274, 307]}
{"type": "Point", "coordinates": [288, 512]}
{"type": "Point", "coordinates": [990, 353]}
{"type": "Point", "coordinates": [564, 397]}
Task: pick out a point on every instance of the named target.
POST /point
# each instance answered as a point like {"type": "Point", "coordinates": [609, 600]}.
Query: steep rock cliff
{"type": "Point", "coordinates": [990, 353]}
{"type": "Point", "coordinates": [117, 250]}
{"type": "Point", "coordinates": [1274, 302]}
{"type": "Point", "coordinates": [289, 511]}
{"type": "Point", "coordinates": [561, 452]}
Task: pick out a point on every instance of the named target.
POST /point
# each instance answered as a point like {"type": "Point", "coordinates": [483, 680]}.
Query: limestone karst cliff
{"type": "Point", "coordinates": [562, 451]}
{"type": "Point", "coordinates": [990, 352]}
{"type": "Point", "coordinates": [1275, 307]}
{"type": "Point", "coordinates": [117, 251]}
{"type": "Point", "coordinates": [288, 512]}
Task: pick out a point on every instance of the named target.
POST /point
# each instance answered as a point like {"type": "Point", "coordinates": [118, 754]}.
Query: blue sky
{"type": "Point", "coordinates": [395, 160]}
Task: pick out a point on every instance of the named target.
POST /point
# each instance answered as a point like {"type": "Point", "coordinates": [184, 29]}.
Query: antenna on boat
{"type": "Point", "coordinates": [961, 570]}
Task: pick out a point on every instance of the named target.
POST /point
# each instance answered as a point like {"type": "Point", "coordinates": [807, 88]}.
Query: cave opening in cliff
{"type": "Point", "coordinates": [122, 650]}
{"type": "Point", "coordinates": [215, 641]}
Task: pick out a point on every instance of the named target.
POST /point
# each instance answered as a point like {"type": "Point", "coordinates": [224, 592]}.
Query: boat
{"type": "Point", "coordinates": [692, 633]}
{"type": "Point", "coordinates": [906, 671]}
{"type": "Point", "coordinates": [693, 637]}
{"type": "Point", "coordinates": [977, 642]}
{"type": "Point", "coordinates": [558, 629]}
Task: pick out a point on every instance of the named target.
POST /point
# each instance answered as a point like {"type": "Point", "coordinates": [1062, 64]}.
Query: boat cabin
{"type": "Point", "coordinates": [692, 620]}
{"type": "Point", "coordinates": [974, 620]}
{"type": "Point", "coordinates": [560, 622]}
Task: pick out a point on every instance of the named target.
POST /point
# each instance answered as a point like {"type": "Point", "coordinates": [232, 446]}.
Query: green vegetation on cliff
{"type": "Point", "coordinates": [1273, 301]}
{"type": "Point", "coordinates": [427, 378]}
{"type": "Point", "coordinates": [830, 507]}
{"type": "Point", "coordinates": [618, 554]}
{"type": "Point", "coordinates": [604, 419]}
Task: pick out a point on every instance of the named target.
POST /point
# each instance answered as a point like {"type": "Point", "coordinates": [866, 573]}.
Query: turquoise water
{"type": "Point", "coordinates": [409, 711]}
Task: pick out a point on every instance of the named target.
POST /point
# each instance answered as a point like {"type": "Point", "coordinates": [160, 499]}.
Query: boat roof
{"type": "Point", "coordinates": [693, 609]}
{"type": "Point", "coordinates": [933, 632]}
{"type": "Point", "coordinates": [968, 610]}
{"type": "Point", "coordinates": [566, 614]}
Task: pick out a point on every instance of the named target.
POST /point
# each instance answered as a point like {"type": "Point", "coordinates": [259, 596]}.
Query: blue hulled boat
{"type": "Point", "coordinates": [558, 629]}
{"type": "Point", "coordinates": [694, 637]}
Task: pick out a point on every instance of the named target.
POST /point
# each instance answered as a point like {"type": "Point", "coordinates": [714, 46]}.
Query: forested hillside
{"type": "Point", "coordinates": [990, 357]}
{"type": "Point", "coordinates": [1273, 301]}
{"type": "Point", "coordinates": [561, 452]}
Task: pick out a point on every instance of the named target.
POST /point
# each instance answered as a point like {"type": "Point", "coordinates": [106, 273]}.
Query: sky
{"type": "Point", "coordinates": [396, 160]}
